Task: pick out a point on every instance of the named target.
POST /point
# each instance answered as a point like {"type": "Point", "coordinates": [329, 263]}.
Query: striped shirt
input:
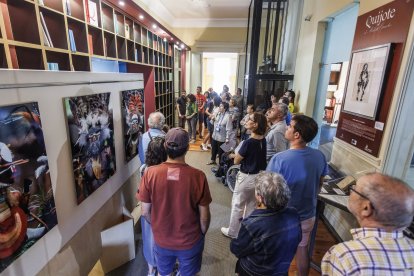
{"type": "Point", "coordinates": [371, 252]}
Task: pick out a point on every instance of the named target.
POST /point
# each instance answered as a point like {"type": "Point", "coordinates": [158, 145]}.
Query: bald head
{"type": "Point", "coordinates": [393, 199]}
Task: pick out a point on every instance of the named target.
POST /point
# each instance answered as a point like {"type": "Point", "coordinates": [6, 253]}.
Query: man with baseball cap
{"type": "Point", "coordinates": [175, 200]}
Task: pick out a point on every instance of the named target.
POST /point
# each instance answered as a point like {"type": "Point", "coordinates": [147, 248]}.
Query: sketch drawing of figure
{"type": "Point", "coordinates": [363, 82]}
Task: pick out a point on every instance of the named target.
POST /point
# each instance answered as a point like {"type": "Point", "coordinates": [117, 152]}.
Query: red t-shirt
{"type": "Point", "coordinates": [200, 100]}
{"type": "Point", "coordinates": [175, 191]}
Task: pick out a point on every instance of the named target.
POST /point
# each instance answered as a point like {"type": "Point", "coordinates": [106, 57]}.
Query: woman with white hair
{"type": "Point", "coordinates": [269, 237]}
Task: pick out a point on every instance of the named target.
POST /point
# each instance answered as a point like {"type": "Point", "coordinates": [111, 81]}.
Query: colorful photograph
{"type": "Point", "coordinates": [132, 120]}
{"type": "Point", "coordinates": [91, 131]}
{"type": "Point", "coordinates": [27, 206]}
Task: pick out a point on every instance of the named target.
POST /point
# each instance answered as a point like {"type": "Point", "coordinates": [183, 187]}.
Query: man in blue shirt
{"type": "Point", "coordinates": [303, 168]}
{"type": "Point", "coordinates": [156, 121]}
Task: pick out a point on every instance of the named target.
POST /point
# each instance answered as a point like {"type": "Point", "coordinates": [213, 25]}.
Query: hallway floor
{"type": "Point", "coordinates": [217, 258]}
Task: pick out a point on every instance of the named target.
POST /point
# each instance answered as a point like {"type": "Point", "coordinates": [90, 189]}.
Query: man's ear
{"type": "Point", "coordinates": [366, 209]}
{"type": "Point", "coordinates": [296, 135]}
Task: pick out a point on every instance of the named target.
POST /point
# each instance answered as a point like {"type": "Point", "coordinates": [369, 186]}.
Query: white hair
{"type": "Point", "coordinates": [156, 120]}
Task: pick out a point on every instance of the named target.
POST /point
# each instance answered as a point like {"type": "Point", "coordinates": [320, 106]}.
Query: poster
{"type": "Point", "coordinates": [132, 120]}
{"type": "Point", "coordinates": [91, 131]}
{"type": "Point", "coordinates": [27, 206]}
{"type": "Point", "coordinates": [366, 76]}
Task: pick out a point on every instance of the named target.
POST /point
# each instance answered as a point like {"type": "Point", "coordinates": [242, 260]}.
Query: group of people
{"type": "Point", "coordinates": [273, 209]}
{"type": "Point", "coordinates": [218, 113]}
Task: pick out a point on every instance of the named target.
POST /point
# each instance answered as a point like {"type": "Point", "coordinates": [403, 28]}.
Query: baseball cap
{"type": "Point", "coordinates": [176, 138]}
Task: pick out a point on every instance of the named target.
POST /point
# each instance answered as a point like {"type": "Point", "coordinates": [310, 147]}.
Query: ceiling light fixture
{"type": "Point", "coordinates": [122, 3]}
{"type": "Point", "coordinates": [177, 43]}
{"type": "Point", "coordinates": [141, 16]}
{"type": "Point", "coordinates": [154, 26]}
{"type": "Point", "coordinates": [165, 39]}
{"type": "Point", "coordinates": [171, 39]}
{"type": "Point", "coordinates": [182, 46]}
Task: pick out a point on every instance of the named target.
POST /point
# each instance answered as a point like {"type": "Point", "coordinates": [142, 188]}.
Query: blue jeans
{"type": "Point", "coordinates": [189, 260]}
{"type": "Point", "coordinates": [192, 123]}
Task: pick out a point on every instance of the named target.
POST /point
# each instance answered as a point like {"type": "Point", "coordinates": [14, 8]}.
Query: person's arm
{"type": "Point", "coordinates": [229, 127]}
{"type": "Point", "coordinates": [237, 159]}
{"type": "Point", "coordinates": [244, 120]}
{"type": "Point", "coordinates": [205, 218]}
{"type": "Point", "coordinates": [243, 245]}
{"type": "Point", "coordinates": [178, 110]}
{"type": "Point", "coordinates": [146, 211]}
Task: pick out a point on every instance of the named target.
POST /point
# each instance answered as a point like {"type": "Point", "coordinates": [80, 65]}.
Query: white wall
{"type": "Point", "coordinates": [195, 72]}
{"type": "Point", "coordinates": [310, 47]}
{"type": "Point", "coordinates": [73, 246]}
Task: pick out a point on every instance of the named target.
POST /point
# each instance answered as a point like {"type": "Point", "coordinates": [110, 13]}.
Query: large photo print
{"type": "Point", "coordinates": [365, 83]}
{"type": "Point", "coordinates": [91, 130]}
{"type": "Point", "coordinates": [27, 206]}
{"type": "Point", "coordinates": [132, 120]}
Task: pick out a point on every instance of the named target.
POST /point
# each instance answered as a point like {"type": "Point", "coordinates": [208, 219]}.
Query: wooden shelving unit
{"type": "Point", "coordinates": [34, 35]}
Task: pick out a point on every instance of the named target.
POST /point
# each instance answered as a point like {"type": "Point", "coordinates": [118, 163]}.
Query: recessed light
{"type": "Point", "coordinates": [177, 43]}
{"type": "Point", "coordinates": [171, 39]}
{"type": "Point", "coordinates": [154, 26]}
{"type": "Point", "coordinates": [165, 39]}
{"type": "Point", "coordinates": [122, 3]}
{"type": "Point", "coordinates": [182, 46]}
{"type": "Point", "coordinates": [141, 16]}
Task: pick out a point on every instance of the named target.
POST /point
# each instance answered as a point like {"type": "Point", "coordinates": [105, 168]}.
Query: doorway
{"type": "Point", "coordinates": [337, 48]}
{"type": "Point", "coordinates": [219, 69]}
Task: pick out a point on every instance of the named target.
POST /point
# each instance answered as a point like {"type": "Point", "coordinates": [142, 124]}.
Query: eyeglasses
{"type": "Point", "coordinates": [352, 188]}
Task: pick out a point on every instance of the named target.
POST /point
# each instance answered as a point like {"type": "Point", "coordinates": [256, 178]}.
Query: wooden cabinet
{"type": "Point", "coordinates": [66, 34]}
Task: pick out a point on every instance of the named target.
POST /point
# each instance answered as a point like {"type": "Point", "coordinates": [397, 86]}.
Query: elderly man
{"type": "Point", "coordinates": [275, 138]}
{"type": "Point", "coordinates": [156, 121]}
{"type": "Point", "coordinates": [175, 200]}
{"type": "Point", "coordinates": [383, 206]}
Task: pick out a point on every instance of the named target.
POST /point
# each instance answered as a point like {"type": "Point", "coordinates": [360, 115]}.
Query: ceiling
{"type": "Point", "coordinates": [214, 9]}
{"type": "Point", "coordinates": [200, 13]}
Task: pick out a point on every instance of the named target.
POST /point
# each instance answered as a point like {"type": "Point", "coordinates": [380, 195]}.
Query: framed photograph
{"type": "Point", "coordinates": [91, 132]}
{"type": "Point", "coordinates": [132, 120]}
{"type": "Point", "coordinates": [27, 204]}
{"type": "Point", "coordinates": [365, 81]}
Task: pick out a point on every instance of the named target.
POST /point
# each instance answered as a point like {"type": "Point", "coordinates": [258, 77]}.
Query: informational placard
{"type": "Point", "coordinates": [379, 42]}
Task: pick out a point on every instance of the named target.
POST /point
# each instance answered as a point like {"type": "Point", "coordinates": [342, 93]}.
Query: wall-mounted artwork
{"type": "Point", "coordinates": [366, 76]}
{"type": "Point", "coordinates": [91, 132]}
{"type": "Point", "coordinates": [27, 206]}
{"type": "Point", "coordinates": [132, 120]}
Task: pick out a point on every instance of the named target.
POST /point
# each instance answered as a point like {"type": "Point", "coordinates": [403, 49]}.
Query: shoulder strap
{"type": "Point", "coordinates": [149, 134]}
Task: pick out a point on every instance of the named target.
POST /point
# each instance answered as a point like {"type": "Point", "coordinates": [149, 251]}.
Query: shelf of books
{"type": "Point", "coordinates": [66, 34]}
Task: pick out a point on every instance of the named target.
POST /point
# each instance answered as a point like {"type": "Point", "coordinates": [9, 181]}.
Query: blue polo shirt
{"type": "Point", "coordinates": [302, 170]}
